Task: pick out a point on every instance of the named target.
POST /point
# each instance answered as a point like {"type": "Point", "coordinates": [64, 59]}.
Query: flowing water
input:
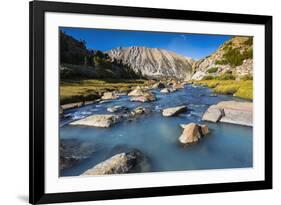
{"type": "Point", "coordinates": [227, 146]}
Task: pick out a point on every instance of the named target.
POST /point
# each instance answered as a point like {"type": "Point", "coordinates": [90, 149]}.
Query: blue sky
{"type": "Point", "coordinates": [191, 45]}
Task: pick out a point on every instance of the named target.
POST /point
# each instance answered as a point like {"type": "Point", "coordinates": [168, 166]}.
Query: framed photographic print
{"type": "Point", "coordinates": [140, 102]}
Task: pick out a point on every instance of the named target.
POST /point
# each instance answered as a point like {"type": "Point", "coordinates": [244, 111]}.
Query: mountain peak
{"type": "Point", "coordinates": [154, 62]}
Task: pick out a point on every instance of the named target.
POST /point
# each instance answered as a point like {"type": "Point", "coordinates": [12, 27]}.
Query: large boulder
{"type": "Point", "coordinates": [213, 114]}
{"type": "Point", "coordinates": [168, 112]}
{"type": "Point", "coordinates": [137, 92]}
{"type": "Point", "coordinates": [109, 96]}
{"type": "Point", "coordinates": [126, 162]}
{"type": "Point", "coordinates": [234, 112]}
{"type": "Point", "coordinates": [193, 132]}
{"type": "Point", "coordinates": [145, 97]}
{"type": "Point", "coordinates": [98, 121]}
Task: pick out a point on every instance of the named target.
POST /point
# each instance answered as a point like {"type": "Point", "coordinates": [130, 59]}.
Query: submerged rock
{"type": "Point", "coordinates": [98, 121]}
{"type": "Point", "coordinates": [213, 95]}
{"type": "Point", "coordinates": [193, 132]}
{"type": "Point", "coordinates": [126, 162]}
{"type": "Point", "coordinates": [234, 112]}
{"type": "Point", "coordinates": [145, 97]}
{"type": "Point", "coordinates": [109, 96]}
{"type": "Point", "coordinates": [72, 151]}
{"type": "Point", "coordinates": [174, 111]}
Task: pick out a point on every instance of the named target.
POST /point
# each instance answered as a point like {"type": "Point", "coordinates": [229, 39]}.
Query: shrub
{"type": "Point", "coordinates": [221, 62]}
{"type": "Point", "coordinates": [226, 76]}
{"type": "Point", "coordinates": [248, 54]}
{"type": "Point", "coordinates": [233, 56]}
{"type": "Point", "coordinates": [208, 77]}
{"type": "Point", "coordinates": [212, 70]}
{"type": "Point", "coordinates": [209, 83]}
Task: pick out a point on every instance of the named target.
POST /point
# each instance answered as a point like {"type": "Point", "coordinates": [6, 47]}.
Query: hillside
{"type": "Point", "coordinates": [234, 57]}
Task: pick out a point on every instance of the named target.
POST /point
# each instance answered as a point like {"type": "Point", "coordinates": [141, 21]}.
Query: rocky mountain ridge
{"type": "Point", "coordinates": [154, 62]}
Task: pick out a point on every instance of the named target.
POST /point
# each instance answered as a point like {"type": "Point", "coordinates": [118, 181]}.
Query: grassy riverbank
{"type": "Point", "coordinates": [242, 88]}
{"type": "Point", "coordinates": [83, 90]}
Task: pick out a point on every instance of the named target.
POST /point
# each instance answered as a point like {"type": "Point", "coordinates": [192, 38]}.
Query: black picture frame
{"type": "Point", "coordinates": [37, 102]}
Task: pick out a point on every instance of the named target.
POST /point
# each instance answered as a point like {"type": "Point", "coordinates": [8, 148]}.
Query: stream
{"type": "Point", "coordinates": [227, 146]}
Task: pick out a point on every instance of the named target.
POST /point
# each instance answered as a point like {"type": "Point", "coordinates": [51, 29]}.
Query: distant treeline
{"type": "Point", "coordinates": [76, 61]}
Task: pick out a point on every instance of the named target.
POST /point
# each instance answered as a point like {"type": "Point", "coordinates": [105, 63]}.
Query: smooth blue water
{"type": "Point", "coordinates": [228, 146]}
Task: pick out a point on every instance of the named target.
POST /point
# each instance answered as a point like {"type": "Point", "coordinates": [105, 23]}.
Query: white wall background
{"type": "Point", "coordinates": [14, 100]}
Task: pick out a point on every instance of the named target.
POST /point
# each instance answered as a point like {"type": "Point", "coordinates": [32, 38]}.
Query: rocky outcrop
{"type": "Point", "coordinates": [153, 63]}
{"type": "Point", "coordinates": [168, 112]}
{"type": "Point", "coordinates": [103, 121]}
{"type": "Point", "coordinates": [193, 132]}
{"type": "Point", "coordinates": [126, 162]}
{"type": "Point", "coordinates": [234, 112]}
